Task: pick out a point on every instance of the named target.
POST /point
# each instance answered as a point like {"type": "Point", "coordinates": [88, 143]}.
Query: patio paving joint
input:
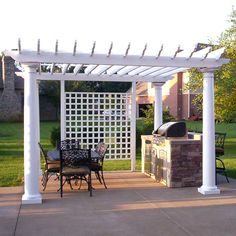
{"type": "Point", "coordinates": [17, 219]}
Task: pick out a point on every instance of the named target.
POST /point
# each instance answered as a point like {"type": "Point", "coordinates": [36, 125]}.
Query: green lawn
{"type": "Point", "coordinates": [230, 143]}
{"type": "Point", "coordinates": [11, 150]}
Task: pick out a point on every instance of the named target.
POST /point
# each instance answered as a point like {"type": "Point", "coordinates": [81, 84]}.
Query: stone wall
{"type": "Point", "coordinates": [175, 162]}
{"type": "Point", "coordinates": [185, 163]}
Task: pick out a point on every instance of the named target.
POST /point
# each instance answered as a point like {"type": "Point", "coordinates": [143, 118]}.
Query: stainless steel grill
{"type": "Point", "coordinates": [171, 129]}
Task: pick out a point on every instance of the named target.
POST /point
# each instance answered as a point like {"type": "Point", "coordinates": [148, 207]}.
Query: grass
{"type": "Point", "coordinates": [11, 150]}
{"type": "Point", "coordinates": [11, 154]}
{"type": "Point", "coordinates": [230, 143]}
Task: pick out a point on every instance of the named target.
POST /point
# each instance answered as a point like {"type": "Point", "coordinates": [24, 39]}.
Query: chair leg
{"type": "Point", "coordinates": [69, 182]}
{"type": "Point", "coordinates": [61, 185]}
{"type": "Point", "coordinates": [90, 184]}
{"type": "Point", "coordinates": [45, 180]}
{"type": "Point", "coordinates": [226, 176]}
{"type": "Point", "coordinates": [80, 182]}
{"type": "Point", "coordinates": [103, 180]}
{"type": "Point", "coordinates": [222, 169]}
{"type": "Point", "coordinates": [98, 176]}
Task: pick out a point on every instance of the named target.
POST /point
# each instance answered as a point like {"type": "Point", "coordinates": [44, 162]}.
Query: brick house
{"type": "Point", "coordinates": [12, 95]}
{"type": "Point", "coordinates": [11, 91]}
{"type": "Point", "coordinates": [178, 101]}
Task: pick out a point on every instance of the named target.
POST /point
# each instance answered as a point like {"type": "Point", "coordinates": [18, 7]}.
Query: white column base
{"type": "Point", "coordinates": [33, 199]}
{"type": "Point", "coordinates": [208, 190]}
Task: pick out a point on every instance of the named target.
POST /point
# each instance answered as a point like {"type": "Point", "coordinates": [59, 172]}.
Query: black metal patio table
{"type": "Point", "coordinates": [55, 155]}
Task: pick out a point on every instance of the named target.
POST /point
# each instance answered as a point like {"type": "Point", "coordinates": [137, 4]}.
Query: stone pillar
{"type": "Point", "coordinates": [10, 106]}
{"type": "Point", "coordinates": [208, 142]}
{"type": "Point", "coordinates": [31, 135]}
{"type": "Point", "coordinates": [158, 114]}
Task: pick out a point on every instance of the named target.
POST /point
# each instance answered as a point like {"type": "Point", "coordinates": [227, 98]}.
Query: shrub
{"type": "Point", "coordinates": [142, 130]}
{"type": "Point", "coordinates": [149, 115]}
{"type": "Point", "coordinates": [55, 136]}
{"type": "Point", "coordinates": [148, 123]}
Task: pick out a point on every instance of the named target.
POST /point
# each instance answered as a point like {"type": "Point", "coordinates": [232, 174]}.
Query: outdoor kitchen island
{"type": "Point", "coordinates": [172, 156]}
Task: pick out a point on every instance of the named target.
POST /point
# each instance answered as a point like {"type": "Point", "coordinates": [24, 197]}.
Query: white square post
{"type": "Point", "coordinates": [158, 114]}
{"type": "Point", "coordinates": [63, 110]}
{"type": "Point", "coordinates": [133, 126]}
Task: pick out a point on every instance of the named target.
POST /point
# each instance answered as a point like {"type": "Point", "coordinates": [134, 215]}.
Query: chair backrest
{"type": "Point", "coordinates": [101, 149]}
{"type": "Point", "coordinates": [69, 144]}
{"type": "Point", "coordinates": [220, 139]}
{"type": "Point", "coordinates": [75, 157]}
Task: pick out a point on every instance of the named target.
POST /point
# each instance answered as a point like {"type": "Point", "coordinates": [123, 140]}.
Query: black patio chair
{"type": "Point", "coordinates": [51, 167]}
{"type": "Point", "coordinates": [75, 165]}
{"type": "Point", "coordinates": [219, 151]}
{"type": "Point", "coordinates": [69, 144]}
{"type": "Point", "coordinates": [97, 165]}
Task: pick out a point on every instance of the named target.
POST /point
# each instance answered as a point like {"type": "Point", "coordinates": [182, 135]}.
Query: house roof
{"type": "Point", "coordinates": [141, 89]}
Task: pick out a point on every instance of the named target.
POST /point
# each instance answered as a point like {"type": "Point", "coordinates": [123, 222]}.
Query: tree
{"type": "Point", "coordinates": [90, 86]}
{"type": "Point", "coordinates": [51, 89]}
{"type": "Point", "coordinates": [225, 77]}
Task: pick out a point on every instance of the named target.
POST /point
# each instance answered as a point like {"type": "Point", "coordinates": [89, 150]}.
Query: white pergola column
{"type": "Point", "coordinates": [31, 135]}
{"type": "Point", "coordinates": [133, 127]}
{"type": "Point", "coordinates": [158, 114]}
{"type": "Point", "coordinates": [208, 143]}
{"type": "Point", "coordinates": [63, 110]}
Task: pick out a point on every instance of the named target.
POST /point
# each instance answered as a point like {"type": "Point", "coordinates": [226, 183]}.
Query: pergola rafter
{"type": "Point", "coordinates": [124, 67]}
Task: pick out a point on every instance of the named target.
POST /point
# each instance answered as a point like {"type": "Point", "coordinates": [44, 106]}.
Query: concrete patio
{"type": "Point", "coordinates": [133, 204]}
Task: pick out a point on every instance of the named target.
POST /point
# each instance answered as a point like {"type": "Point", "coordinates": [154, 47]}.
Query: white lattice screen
{"type": "Point", "coordinates": [94, 117]}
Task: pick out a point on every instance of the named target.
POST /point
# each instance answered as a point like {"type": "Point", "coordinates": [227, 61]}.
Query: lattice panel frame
{"type": "Point", "coordinates": [94, 117]}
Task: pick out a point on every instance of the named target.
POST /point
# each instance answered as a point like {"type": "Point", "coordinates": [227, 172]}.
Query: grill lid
{"type": "Point", "coordinates": [171, 129]}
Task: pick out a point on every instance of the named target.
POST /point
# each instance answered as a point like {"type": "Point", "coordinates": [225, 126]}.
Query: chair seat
{"type": "Point", "coordinates": [82, 170]}
{"type": "Point", "coordinates": [54, 166]}
{"type": "Point", "coordinates": [219, 151]}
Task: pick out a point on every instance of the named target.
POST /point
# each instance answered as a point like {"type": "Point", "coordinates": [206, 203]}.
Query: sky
{"type": "Point", "coordinates": [155, 22]}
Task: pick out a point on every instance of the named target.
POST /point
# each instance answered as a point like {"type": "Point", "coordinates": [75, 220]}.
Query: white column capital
{"type": "Point", "coordinates": [157, 85]}
{"type": "Point", "coordinates": [208, 70]}
{"type": "Point", "coordinates": [29, 67]}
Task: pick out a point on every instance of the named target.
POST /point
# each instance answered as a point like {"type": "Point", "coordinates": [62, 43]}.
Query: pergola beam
{"type": "Point", "coordinates": [95, 77]}
{"type": "Point", "coordinates": [117, 60]}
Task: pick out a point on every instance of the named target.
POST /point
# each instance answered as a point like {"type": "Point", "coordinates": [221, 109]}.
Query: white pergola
{"type": "Point", "coordinates": [91, 66]}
